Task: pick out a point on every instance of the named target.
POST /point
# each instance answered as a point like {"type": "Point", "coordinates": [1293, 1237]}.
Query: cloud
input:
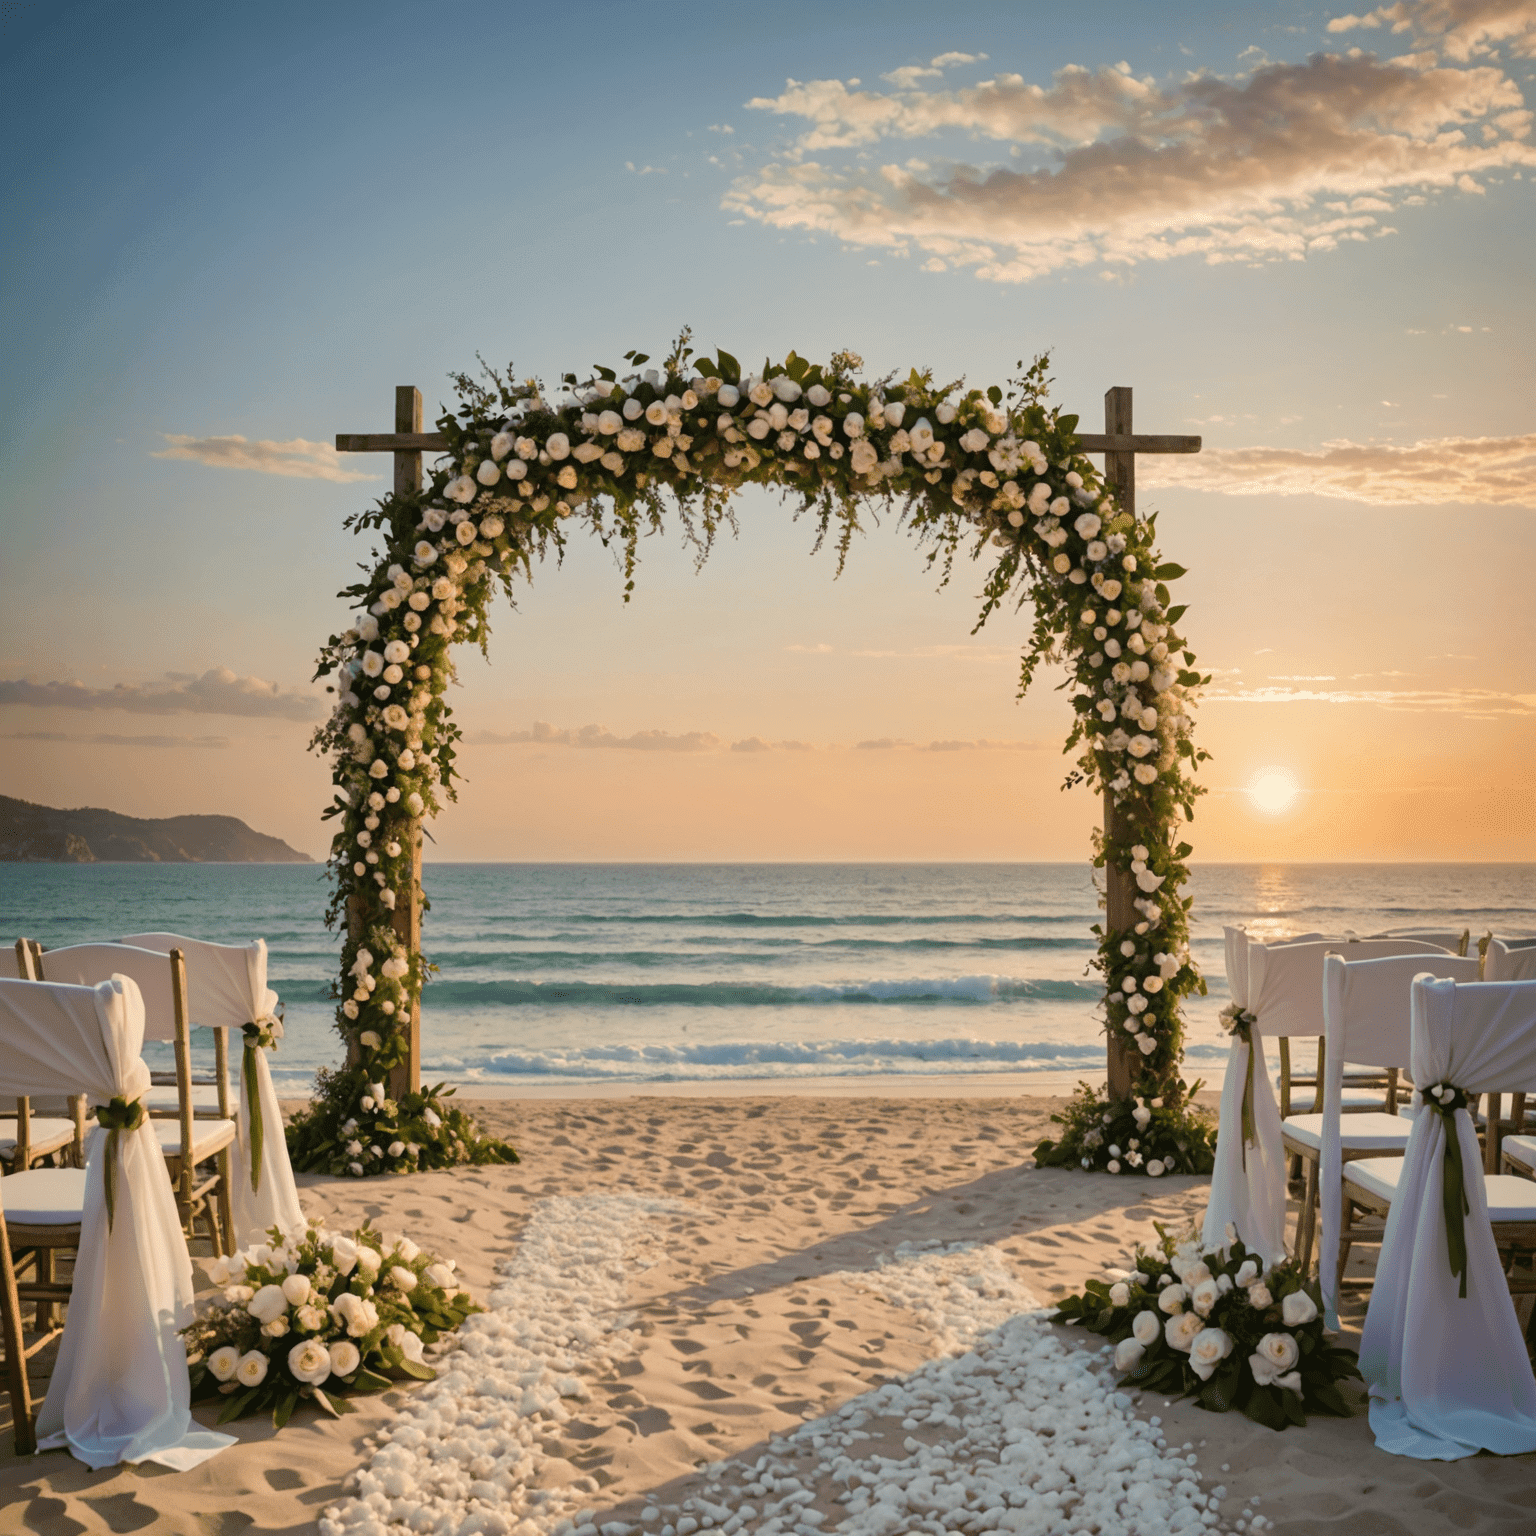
{"type": "Point", "coordinates": [752, 744]}
{"type": "Point", "coordinates": [1481, 471]}
{"type": "Point", "coordinates": [545, 734]}
{"type": "Point", "coordinates": [1473, 703]}
{"type": "Point", "coordinates": [1282, 163]}
{"type": "Point", "coordinates": [297, 458]}
{"type": "Point", "coordinates": [217, 692]}
{"type": "Point", "coordinates": [1459, 29]}
{"type": "Point", "coordinates": [107, 739]}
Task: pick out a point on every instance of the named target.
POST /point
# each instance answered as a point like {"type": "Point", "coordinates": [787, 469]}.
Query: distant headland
{"type": "Point", "coordinates": [40, 834]}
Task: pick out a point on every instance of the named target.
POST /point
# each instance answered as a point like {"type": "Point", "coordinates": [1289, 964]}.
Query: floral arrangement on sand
{"type": "Point", "coordinates": [1218, 1323]}
{"type": "Point", "coordinates": [317, 1315]}
{"type": "Point", "coordinates": [990, 473]}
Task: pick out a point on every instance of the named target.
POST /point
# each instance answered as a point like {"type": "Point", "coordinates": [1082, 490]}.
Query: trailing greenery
{"type": "Point", "coordinates": [1216, 1323]}
{"type": "Point", "coordinates": [992, 474]}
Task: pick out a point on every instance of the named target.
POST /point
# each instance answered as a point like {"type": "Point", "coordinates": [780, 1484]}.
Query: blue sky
{"type": "Point", "coordinates": [254, 223]}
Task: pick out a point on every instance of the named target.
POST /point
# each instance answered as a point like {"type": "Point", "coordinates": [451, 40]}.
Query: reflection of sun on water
{"type": "Point", "coordinates": [1274, 790]}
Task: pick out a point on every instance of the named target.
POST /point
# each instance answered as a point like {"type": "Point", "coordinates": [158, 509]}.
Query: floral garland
{"type": "Point", "coordinates": [316, 1315]}
{"type": "Point", "coordinates": [1216, 1322]}
{"type": "Point", "coordinates": [997, 475]}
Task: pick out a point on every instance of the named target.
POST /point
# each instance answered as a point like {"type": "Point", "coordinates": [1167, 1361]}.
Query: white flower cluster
{"type": "Point", "coordinates": [319, 1305]}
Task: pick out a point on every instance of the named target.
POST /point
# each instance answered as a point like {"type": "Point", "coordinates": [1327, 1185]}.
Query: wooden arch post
{"type": "Point", "coordinates": [408, 442]}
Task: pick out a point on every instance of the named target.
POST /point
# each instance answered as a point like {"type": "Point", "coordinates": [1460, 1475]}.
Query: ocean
{"type": "Point", "coordinates": [627, 973]}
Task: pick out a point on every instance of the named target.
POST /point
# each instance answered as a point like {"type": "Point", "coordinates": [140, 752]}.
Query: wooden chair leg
{"type": "Point", "coordinates": [1307, 1223]}
{"type": "Point", "coordinates": [17, 1384]}
{"type": "Point", "coordinates": [1346, 1242]}
{"type": "Point", "coordinates": [226, 1208]}
{"type": "Point", "coordinates": [44, 1262]}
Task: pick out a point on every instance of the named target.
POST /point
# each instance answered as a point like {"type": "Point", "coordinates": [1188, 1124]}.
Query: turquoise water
{"type": "Point", "coordinates": [570, 972]}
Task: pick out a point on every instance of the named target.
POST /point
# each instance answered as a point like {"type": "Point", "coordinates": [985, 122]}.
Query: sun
{"type": "Point", "coordinates": [1274, 790]}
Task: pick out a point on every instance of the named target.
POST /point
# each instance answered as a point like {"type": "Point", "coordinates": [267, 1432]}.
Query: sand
{"type": "Point", "coordinates": [760, 1307]}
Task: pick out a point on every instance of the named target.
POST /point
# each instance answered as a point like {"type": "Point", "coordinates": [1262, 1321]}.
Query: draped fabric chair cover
{"type": "Point", "coordinates": [119, 1390]}
{"type": "Point", "coordinates": [1365, 1017]}
{"type": "Point", "coordinates": [1247, 1185]}
{"type": "Point", "coordinates": [1449, 1376]}
{"type": "Point", "coordinates": [1510, 962]}
{"type": "Point", "coordinates": [227, 988]}
{"type": "Point", "coordinates": [1285, 981]}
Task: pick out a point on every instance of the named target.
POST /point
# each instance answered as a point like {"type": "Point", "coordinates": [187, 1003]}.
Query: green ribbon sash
{"type": "Point", "coordinates": [1453, 1189]}
{"type": "Point", "coordinates": [248, 1089]}
{"type": "Point", "coordinates": [1242, 1028]}
{"type": "Point", "coordinates": [114, 1118]}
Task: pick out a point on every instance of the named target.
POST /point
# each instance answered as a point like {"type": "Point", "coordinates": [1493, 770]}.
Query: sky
{"type": "Point", "coordinates": [1302, 233]}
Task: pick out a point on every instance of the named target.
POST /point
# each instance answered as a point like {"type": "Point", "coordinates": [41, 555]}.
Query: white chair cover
{"type": "Point", "coordinates": [1449, 1376]}
{"type": "Point", "coordinates": [119, 1390]}
{"type": "Point", "coordinates": [1247, 1187]}
{"type": "Point", "coordinates": [1365, 1017]}
{"type": "Point", "coordinates": [1285, 981]}
{"type": "Point", "coordinates": [1510, 962]}
{"type": "Point", "coordinates": [227, 988]}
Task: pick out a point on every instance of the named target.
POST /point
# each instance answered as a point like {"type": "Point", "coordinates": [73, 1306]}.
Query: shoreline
{"type": "Point", "coordinates": [949, 1085]}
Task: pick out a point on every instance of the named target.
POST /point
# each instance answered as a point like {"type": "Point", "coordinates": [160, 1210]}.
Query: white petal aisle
{"type": "Point", "coordinates": [1022, 1429]}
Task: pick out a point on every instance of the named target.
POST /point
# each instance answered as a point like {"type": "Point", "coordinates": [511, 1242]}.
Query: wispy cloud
{"type": "Point", "coordinates": [1460, 29]}
{"type": "Point", "coordinates": [547, 735]}
{"type": "Point", "coordinates": [1490, 471]}
{"type": "Point", "coordinates": [298, 457]}
{"type": "Point", "coordinates": [1474, 703]}
{"type": "Point", "coordinates": [217, 692]}
{"type": "Point", "coordinates": [108, 739]}
{"type": "Point", "coordinates": [1280, 163]}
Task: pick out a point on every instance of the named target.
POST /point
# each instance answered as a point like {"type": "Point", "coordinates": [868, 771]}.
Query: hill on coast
{"type": "Point", "coordinates": [40, 834]}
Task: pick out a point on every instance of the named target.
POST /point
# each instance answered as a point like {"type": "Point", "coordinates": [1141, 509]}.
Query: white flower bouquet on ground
{"type": "Point", "coordinates": [1218, 1323]}
{"type": "Point", "coordinates": [317, 1314]}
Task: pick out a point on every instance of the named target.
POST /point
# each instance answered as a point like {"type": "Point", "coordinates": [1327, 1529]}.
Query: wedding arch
{"type": "Point", "coordinates": [998, 474]}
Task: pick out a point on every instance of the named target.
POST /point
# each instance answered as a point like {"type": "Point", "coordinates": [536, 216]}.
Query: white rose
{"type": "Point", "coordinates": [369, 1260]}
{"type": "Point", "coordinates": [441, 1276]}
{"type": "Point", "coordinates": [345, 1357]}
{"type": "Point", "coordinates": [1120, 1295]}
{"type": "Point", "coordinates": [1291, 1382]}
{"type": "Point", "coordinates": [252, 1369]}
{"type": "Point", "coordinates": [1297, 1308]}
{"type": "Point", "coordinates": [276, 1328]}
{"type": "Point", "coordinates": [894, 412]}
{"type": "Point", "coordinates": [1205, 1296]}
{"type": "Point", "coordinates": [863, 458]}
{"type": "Point", "coordinates": [1259, 1297]}
{"type": "Point", "coordinates": [1146, 1328]}
{"type": "Point", "coordinates": [1210, 1347]}
{"type": "Point", "coordinates": [728, 395]}
{"type": "Point", "coordinates": [462, 489]}
{"type": "Point", "coordinates": [1172, 1299]}
{"type": "Point", "coordinates": [296, 1288]}
{"type": "Point", "coordinates": [268, 1303]}
{"type": "Point", "coordinates": [402, 1279]}
{"type": "Point", "coordinates": [786, 389]}
{"type": "Point", "coordinates": [1247, 1273]}
{"type": "Point", "coordinates": [356, 1314]}
{"type": "Point", "coordinates": [1155, 1165]}
{"type": "Point", "coordinates": [1087, 525]}
{"type": "Point", "coordinates": [396, 1148]}
{"type": "Point", "coordinates": [489, 472]}
{"type": "Point", "coordinates": [1182, 1330]}
{"type": "Point", "coordinates": [1128, 1353]}
{"type": "Point", "coordinates": [1279, 1350]}
{"type": "Point", "coordinates": [222, 1362]}
{"type": "Point", "coordinates": [853, 424]}
{"type": "Point", "coordinates": [309, 1362]}
{"type": "Point", "coordinates": [310, 1319]}
{"type": "Point", "coordinates": [558, 445]}
{"type": "Point", "coordinates": [425, 553]}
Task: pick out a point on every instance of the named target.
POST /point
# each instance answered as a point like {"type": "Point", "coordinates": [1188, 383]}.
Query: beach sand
{"type": "Point", "coordinates": [761, 1307]}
